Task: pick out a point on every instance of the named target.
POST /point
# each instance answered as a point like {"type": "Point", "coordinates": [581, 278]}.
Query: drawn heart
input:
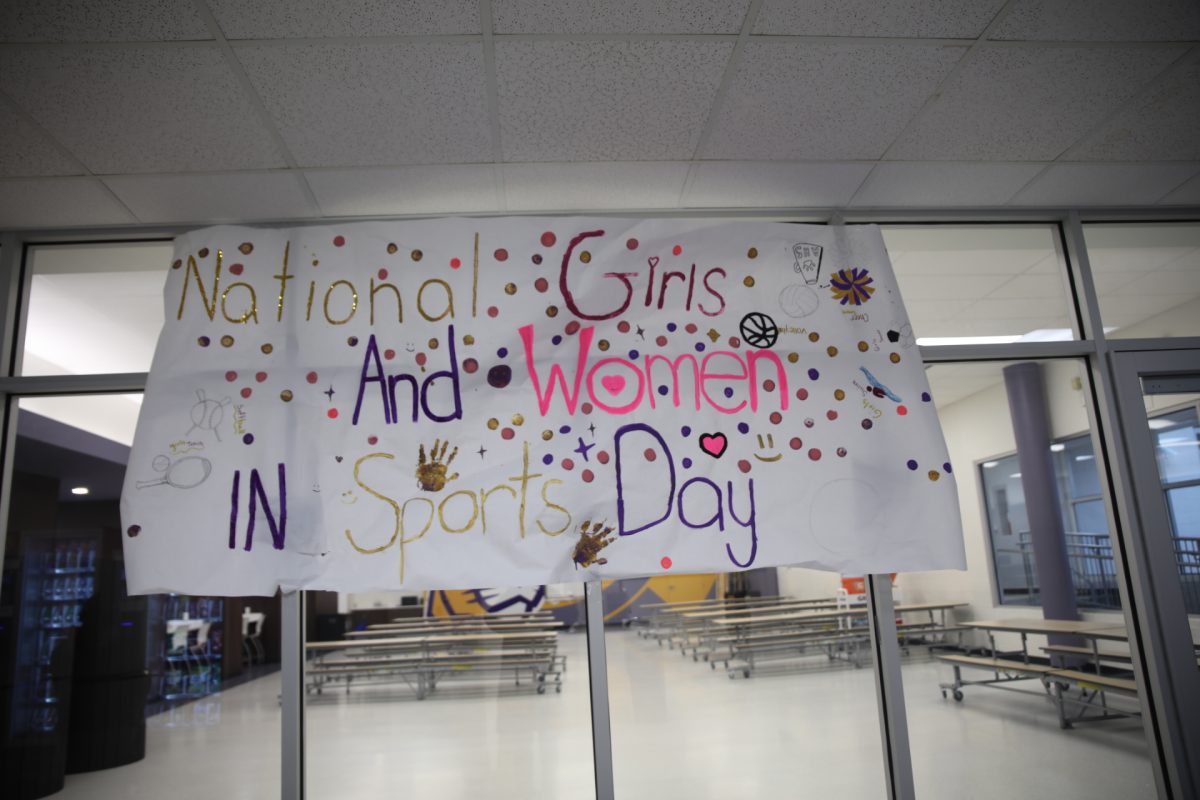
{"type": "Point", "coordinates": [613, 383]}
{"type": "Point", "coordinates": [652, 261]}
{"type": "Point", "coordinates": [714, 444]}
{"type": "Point", "coordinates": [339, 459]}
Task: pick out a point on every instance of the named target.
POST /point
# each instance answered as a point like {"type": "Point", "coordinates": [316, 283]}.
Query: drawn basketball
{"type": "Point", "coordinates": [797, 300]}
{"type": "Point", "coordinates": [759, 330]}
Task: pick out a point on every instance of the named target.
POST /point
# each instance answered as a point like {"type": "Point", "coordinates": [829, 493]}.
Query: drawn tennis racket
{"type": "Point", "coordinates": [186, 473]}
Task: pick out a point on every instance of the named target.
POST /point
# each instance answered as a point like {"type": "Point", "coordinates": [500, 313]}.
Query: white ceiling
{"type": "Point", "coordinates": [196, 111]}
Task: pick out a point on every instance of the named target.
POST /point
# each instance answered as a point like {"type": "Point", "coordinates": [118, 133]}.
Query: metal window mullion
{"type": "Point", "coordinates": [291, 697]}
{"type": "Point", "coordinates": [889, 689]}
{"type": "Point", "coordinates": [598, 690]}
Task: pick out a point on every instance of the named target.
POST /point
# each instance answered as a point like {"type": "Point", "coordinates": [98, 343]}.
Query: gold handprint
{"type": "Point", "coordinates": [431, 474]}
{"type": "Point", "coordinates": [590, 543]}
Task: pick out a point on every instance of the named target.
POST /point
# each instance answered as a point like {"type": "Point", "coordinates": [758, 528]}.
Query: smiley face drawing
{"type": "Point", "coordinates": [769, 445]}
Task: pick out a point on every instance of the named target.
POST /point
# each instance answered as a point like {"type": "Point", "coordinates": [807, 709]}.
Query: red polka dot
{"type": "Point", "coordinates": [768, 385]}
{"type": "Point", "coordinates": [735, 342]}
{"type": "Point", "coordinates": [776, 418]}
{"type": "Point", "coordinates": [541, 284]}
{"type": "Point", "coordinates": [831, 415]}
{"type": "Point", "coordinates": [631, 244]}
{"type": "Point", "coordinates": [802, 394]}
{"type": "Point", "coordinates": [690, 327]}
{"type": "Point", "coordinates": [246, 392]}
{"type": "Point", "coordinates": [602, 456]}
{"type": "Point", "coordinates": [902, 410]}
{"type": "Point", "coordinates": [572, 328]}
{"type": "Point", "coordinates": [338, 241]}
{"type": "Point", "coordinates": [548, 239]}
{"type": "Point", "coordinates": [623, 326]}
{"type": "Point", "coordinates": [470, 365]}
{"type": "Point", "coordinates": [260, 377]}
{"type": "Point", "coordinates": [421, 359]}
{"type": "Point", "coordinates": [236, 269]}
{"type": "Point", "coordinates": [372, 440]}
{"type": "Point", "coordinates": [455, 263]}
{"type": "Point", "coordinates": [567, 464]}
{"type": "Point", "coordinates": [666, 562]}
{"type": "Point", "coordinates": [332, 413]}
{"type": "Point", "coordinates": [649, 454]}
{"type": "Point", "coordinates": [231, 376]}
{"type": "Point", "coordinates": [507, 434]}
{"type": "Point", "coordinates": [677, 249]}
{"type": "Point", "coordinates": [493, 312]}
{"type": "Point", "coordinates": [587, 475]}
{"type": "Point", "coordinates": [587, 408]}
{"type": "Point", "coordinates": [814, 454]}
{"type": "Point", "coordinates": [661, 341]}
{"type": "Point", "coordinates": [795, 443]}
{"type": "Point", "coordinates": [744, 465]}
{"type": "Point", "coordinates": [501, 254]}
{"type": "Point", "coordinates": [389, 354]}
{"type": "Point", "coordinates": [311, 377]}
{"type": "Point", "coordinates": [383, 273]}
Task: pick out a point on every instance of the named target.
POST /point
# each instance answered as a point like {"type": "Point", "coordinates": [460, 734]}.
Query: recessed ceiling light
{"type": "Point", "coordinates": [1084, 458]}
{"type": "Point", "coordinates": [1015, 475]}
{"type": "Point", "coordinates": [990, 464]}
{"type": "Point", "coordinates": [79, 490]}
{"type": "Point", "coordinates": [1057, 447]}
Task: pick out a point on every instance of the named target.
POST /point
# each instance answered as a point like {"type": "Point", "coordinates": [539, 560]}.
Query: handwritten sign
{"type": "Point", "coordinates": [457, 403]}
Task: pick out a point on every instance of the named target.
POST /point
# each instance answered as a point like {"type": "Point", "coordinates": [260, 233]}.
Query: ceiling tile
{"type": "Point", "coordinates": [755, 184]}
{"type": "Point", "coordinates": [440, 189]}
{"type": "Point", "coordinates": [619, 16]}
{"type": "Point", "coordinates": [1104, 184]}
{"type": "Point", "coordinates": [140, 109]}
{"type": "Point", "coordinates": [943, 183]}
{"type": "Point", "coordinates": [319, 18]}
{"type": "Point", "coordinates": [605, 100]}
{"type": "Point", "coordinates": [1162, 128]}
{"type": "Point", "coordinates": [25, 152]}
{"type": "Point", "coordinates": [214, 198]}
{"type": "Point", "coordinates": [364, 104]}
{"type": "Point", "coordinates": [792, 100]}
{"type": "Point", "coordinates": [111, 20]}
{"type": "Point", "coordinates": [1188, 194]}
{"type": "Point", "coordinates": [58, 202]}
{"type": "Point", "coordinates": [1027, 103]}
{"type": "Point", "coordinates": [916, 18]}
{"type": "Point", "coordinates": [577, 187]}
{"type": "Point", "coordinates": [1101, 21]}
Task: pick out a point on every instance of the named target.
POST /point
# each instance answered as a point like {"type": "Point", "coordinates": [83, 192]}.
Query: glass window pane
{"type": "Point", "coordinates": [1177, 445]}
{"type": "Point", "coordinates": [103, 694]}
{"type": "Point", "coordinates": [480, 693]}
{"type": "Point", "coordinates": [756, 707]}
{"type": "Point", "coordinates": [94, 307]}
{"type": "Point", "coordinates": [959, 745]}
{"type": "Point", "coordinates": [1147, 277]}
{"type": "Point", "coordinates": [1185, 511]}
{"type": "Point", "coordinates": [979, 284]}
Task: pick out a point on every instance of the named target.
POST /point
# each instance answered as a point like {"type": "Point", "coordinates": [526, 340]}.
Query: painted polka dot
{"type": "Point", "coordinates": [248, 438]}
{"type": "Point", "coordinates": [841, 451]}
{"type": "Point", "coordinates": [666, 560]}
{"type": "Point", "coordinates": [813, 374]}
{"type": "Point", "coordinates": [567, 464]}
{"type": "Point", "coordinates": [547, 459]}
{"type": "Point", "coordinates": [548, 239]}
{"type": "Point", "coordinates": [338, 241]}
{"type": "Point", "coordinates": [493, 423]}
{"type": "Point", "coordinates": [902, 410]}
{"type": "Point", "coordinates": [831, 415]}
{"type": "Point", "coordinates": [510, 288]}
{"type": "Point", "coordinates": [623, 326]}
{"type": "Point", "coordinates": [832, 351]}
{"type": "Point", "coordinates": [372, 440]}
{"type": "Point", "coordinates": [572, 328]}
{"type": "Point", "coordinates": [795, 443]}
{"type": "Point", "coordinates": [421, 358]}
{"type": "Point", "coordinates": [585, 257]}
{"type": "Point", "coordinates": [247, 391]}
{"type": "Point", "coordinates": [416, 255]}
{"type": "Point", "coordinates": [677, 250]}
{"type": "Point", "coordinates": [260, 376]}
{"type": "Point", "coordinates": [552, 311]}
{"type": "Point", "coordinates": [748, 281]}
{"type": "Point", "coordinates": [776, 418]}
{"type": "Point", "coordinates": [814, 454]}
{"type": "Point", "coordinates": [493, 312]}
{"type": "Point", "coordinates": [793, 358]}
{"type": "Point", "coordinates": [661, 341]}
{"type": "Point", "coordinates": [768, 385]}
{"type": "Point", "coordinates": [507, 434]}
{"type": "Point", "coordinates": [383, 273]}
{"type": "Point", "coordinates": [809, 422]}
{"type": "Point", "coordinates": [389, 354]}
{"type": "Point", "coordinates": [332, 413]}
{"type": "Point", "coordinates": [587, 408]}
{"type": "Point", "coordinates": [894, 358]}
{"type": "Point", "coordinates": [671, 327]}
{"type": "Point", "coordinates": [863, 347]}
{"type": "Point", "coordinates": [867, 424]}
{"type": "Point", "coordinates": [286, 395]}
{"type": "Point", "coordinates": [536, 258]}
{"type": "Point", "coordinates": [925, 398]}
{"type": "Point", "coordinates": [631, 244]}
{"type": "Point", "coordinates": [838, 394]}
{"type": "Point", "coordinates": [934, 475]}
{"type": "Point", "coordinates": [587, 475]}
{"type": "Point", "coordinates": [455, 263]}
{"type": "Point", "coordinates": [227, 341]}
{"type": "Point", "coordinates": [687, 463]}
{"type": "Point", "coordinates": [470, 366]}
{"type": "Point", "coordinates": [743, 428]}
{"type": "Point", "coordinates": [691, 327]}
{"type": "Point", "coordinates": [602, 456]}
{"type": "Point", "coordinates": [685, 431]}
{"type": "Point", "coordinates": [946, 467]}
{"type": "Point", "coordinates": [231, 376]}
{"type": "Point", "coordinates": [204, 341]}
{"type": "Point", "coordinates": [814, 337]}
{"type": "Point", "coordinates": [392, 248]}
{"type": "Point", "coordinates": [556, 339]}
{"type": "Point", "coordinates": [649, 454]}
{"type": "Point", "coordinates": [541, 284]}
{"type": "Point", "coordinates": [802, 394]}
{"type": "Point", "coordinates": [911, 464]}
{"type": "Point", "coordinates": [743, 465]}
{"type": "Point", "coordinates": [501, 254]}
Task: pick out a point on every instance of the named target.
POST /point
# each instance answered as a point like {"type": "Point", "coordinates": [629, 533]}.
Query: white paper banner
{"type": "Point", "coordinates": [461, 403]}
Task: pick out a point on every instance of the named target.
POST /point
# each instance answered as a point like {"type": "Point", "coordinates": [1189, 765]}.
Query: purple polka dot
{"type": "Point", "coordinates": [729, 391]}
{"type": "Point", "coordinates": [248, 438]}
{"type": "Point", "coordinates": [699, 347]}
{"type": "Point", "coordinates": [556, 339]}
{"type": "Point", "coordinates": [925, 397]}
{"type": "Point", "coordinates": [813, 374]}
{"type": "Point", "coordinates": [502, 352]}
{"type": "Point", "coordinates": [547, 459]}
{"type": "Point", "coordinates": [687, 463]}
{"type": "Point", "coordinates": [633, 354]}
{"type": "Point", "coordinates": [912, 464]}
{"type": "Point", "coordinates": [663, 390]}
{"type": "Point", "coordinates": [686, 430]}
{"type": "Point", "coordinates": [743, 427]}
{"type": "Point", "coordinates": [565, 429]}
{"type": "Point", "coordinates": [946, 467]}
{"type": "Point", "coordinates": [671, 327]}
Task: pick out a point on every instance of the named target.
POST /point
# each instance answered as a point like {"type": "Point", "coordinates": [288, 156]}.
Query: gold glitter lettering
{"type": "Point", "coordinates": [556, 506]}
{"type": "Point", "coordinates": [250, 313]}
{"type": "Point", "coordinates": [484, 494]}
{"type": "Point", "coordinates": [448, 311]}
{"type": "Point", "coordinates": [474, 511]}
{"type": "Point", "coordinates": [524, 478]}
{"type": "Point", "coordinates": [312, 288]}
{"type": "Point", "coordinates": [283, 278]}
{"type": "Point", "coordinates": [192, 269]}
{"type": "Point", "coordinates": [398, 512]}
{"type": "Point", "coordinates": [353, 302]}
{"type": "Point", "coordinates": [399, 302]}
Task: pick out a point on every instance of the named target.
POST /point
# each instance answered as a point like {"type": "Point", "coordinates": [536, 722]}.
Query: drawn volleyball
{"type": "Point", "coordinates": [797, 300]}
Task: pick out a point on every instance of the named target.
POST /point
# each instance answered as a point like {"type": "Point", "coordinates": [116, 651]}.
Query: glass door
{"type": "Point", "coordinates": [1158, 399]}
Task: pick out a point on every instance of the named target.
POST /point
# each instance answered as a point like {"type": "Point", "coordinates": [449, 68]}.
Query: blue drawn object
{"type": "Point", "coordinates": [877, 388]}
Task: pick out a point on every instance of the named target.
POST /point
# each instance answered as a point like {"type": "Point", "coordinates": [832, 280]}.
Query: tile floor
{"type": "Point", "coordinates": [680, 730]}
